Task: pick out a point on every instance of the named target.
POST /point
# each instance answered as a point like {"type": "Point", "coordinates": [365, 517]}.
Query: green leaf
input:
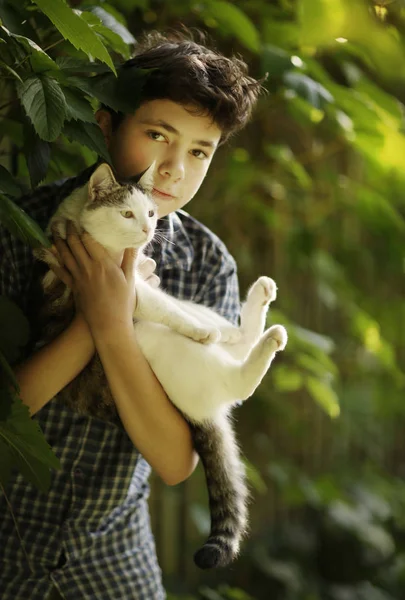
{"type": "Point", "coordinates": [70, 64]}
{"type": "Point", "coordinates": [109, 37]}
{"type": "Point", "coordinates": [286, 379]}
{"type": "Point", "coordinates": [88, 134]}
{"type": "Point", "coordinates": [323, 395]}
{"type": "Point", "coordinates": [75, 29]}
{"type": "Point", "coordinates": [26, 447]}
{"type": "Point", "coordinates": [21, 225]}
{"type": "Point", "coordinates": [77, 107]}
{"type": "Point", "coordinates": [40, 61]}
{"type": "Point", "coordinates": [113, 41]}
{"type": "Point", "coordinates": [108, 20]}
{"type": "Point", "coordinates": [275, 61]}
{"type": "Point", "coordinates": [37, 154]}
{"type": "Point", "coordinates": [235, 22]}
{"type": "Point", "coordinates": [309, 89]}
{"type": "Point", "coordinates": [45, 105]}
{"type": "Point", "coordinates": [315, 366]}
{"type": "Point", "coordinates": [7, 371]}
{"type": "Point", "coordinates": [7, 68]}
{"type": "Point", "coordinates": [7, 183]}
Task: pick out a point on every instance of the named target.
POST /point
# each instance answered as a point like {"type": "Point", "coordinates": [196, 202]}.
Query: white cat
{"type": "Point", "coordinates": [204, 363]}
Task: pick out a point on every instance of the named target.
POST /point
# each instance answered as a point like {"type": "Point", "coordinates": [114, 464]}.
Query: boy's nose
{"type": "Point", "coordinates": [173, 169]}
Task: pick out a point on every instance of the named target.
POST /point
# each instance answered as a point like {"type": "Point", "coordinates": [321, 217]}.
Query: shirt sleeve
{"type": "Point", "coordinates": [221, 289]}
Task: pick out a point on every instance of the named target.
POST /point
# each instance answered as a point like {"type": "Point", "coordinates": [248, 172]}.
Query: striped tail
{"type": "Point", "coordinates": [225, 474]}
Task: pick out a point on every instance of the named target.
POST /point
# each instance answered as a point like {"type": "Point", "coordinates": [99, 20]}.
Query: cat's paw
{"type": "Point", "coordinates": [230, 335]}
{"type": "Point", "coordinates": [42, 254]}
{"type": "Point", "coordinates": [205, 335]}
{"type": "Point", "coordinates": [46, 256]}
{"type": "Point", "coordinates": [277, 334]}
{"type": "Point", "coordinates": [58, 228]}
{"type": "Point", "coordinates": [264, 290]}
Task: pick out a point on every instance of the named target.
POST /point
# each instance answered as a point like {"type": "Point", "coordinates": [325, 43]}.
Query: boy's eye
{"type": "Point", "coordinates": [151, 213]}
{"type": "Point", "coordinates": [154, 135]}
{"type": "Point", "coordinates": [199, 154]}
{"type": "Point", "coordinates": [127, 214]}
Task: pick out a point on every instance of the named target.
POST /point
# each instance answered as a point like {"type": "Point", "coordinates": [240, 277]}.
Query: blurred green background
{"type": "Point", "coordinates": [311, 193]}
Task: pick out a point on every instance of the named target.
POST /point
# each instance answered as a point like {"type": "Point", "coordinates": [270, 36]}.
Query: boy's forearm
{"type": "Point", "coordinates": [155, 426]}
{"type": "Point", "coordinates": [52, 367]}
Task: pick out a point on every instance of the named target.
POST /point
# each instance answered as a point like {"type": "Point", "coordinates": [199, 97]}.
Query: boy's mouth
{"type": "Point", "coordinates": [163, 195]}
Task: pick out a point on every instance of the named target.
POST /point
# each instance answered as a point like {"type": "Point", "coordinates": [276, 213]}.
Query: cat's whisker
{"type": "Point", "coordinates": [159, 237]}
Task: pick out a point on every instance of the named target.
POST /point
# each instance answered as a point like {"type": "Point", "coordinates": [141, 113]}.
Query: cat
{"type": "Point", "coordinates": [221, 365]}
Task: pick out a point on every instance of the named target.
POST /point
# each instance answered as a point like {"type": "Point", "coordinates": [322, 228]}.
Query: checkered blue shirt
{"type": "Point", "coordinates": [90, 535]}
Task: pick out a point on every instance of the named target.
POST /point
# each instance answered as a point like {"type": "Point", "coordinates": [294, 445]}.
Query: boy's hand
{"type": "Point", "coordinates": [104, 291]}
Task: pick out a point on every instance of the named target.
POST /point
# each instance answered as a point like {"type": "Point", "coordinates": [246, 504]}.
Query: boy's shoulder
{"type": "Point", "coordinates": [195, 243]}
{"type": "Point", "coordinates": [198, 230]}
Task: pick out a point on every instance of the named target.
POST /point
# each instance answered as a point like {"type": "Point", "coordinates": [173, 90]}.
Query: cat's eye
{"type": "Point", "coordinates": [151, 213]}
{"type": "Point", "coordinates": [128, 214]}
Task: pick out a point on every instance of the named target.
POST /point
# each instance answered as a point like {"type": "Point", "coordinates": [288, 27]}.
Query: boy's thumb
{"type": "Point", "coordinates": [128, 262]}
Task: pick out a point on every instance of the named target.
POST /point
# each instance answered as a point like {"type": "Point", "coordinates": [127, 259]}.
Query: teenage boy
{"type": "Point", "coordinates": [90, 536]}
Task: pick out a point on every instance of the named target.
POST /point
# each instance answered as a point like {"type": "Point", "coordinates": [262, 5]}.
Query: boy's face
{"type": "Point", "coordinates": [181, 143]}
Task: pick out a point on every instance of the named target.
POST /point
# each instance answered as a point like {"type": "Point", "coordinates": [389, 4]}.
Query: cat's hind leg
{"type": "Point", "coordinates": [259, 360]}
{"type": "Point", "coordinates": [253, 314]}
{"type": "Point", "coordinates": [254, 310]}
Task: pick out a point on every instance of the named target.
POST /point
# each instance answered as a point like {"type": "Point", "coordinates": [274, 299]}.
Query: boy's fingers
{"type": "Point", "coordinates": [128, 262]}
{"type": "Point", "coordinates": [65, 256]}
{"type": "Point", "coordinates": [77, 248]}
{"type": "Point", "coordinates": [93, 248]}
{"type": "Point", "coordinates": [63, 275]}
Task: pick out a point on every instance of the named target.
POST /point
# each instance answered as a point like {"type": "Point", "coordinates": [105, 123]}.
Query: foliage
{"type": "Point", "coordinates": [312, 193]}
{"type": "Point", "coordinates": [346, 543]}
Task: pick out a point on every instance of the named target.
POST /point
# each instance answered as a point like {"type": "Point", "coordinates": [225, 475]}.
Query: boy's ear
{"type": "Point", "coordinates": [103, 118]}
{"type": "Point", "coordinates": [101, 180]}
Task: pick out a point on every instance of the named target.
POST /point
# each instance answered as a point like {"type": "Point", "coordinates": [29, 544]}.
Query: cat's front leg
{"type": "Point", "coordinates": [157, 306]}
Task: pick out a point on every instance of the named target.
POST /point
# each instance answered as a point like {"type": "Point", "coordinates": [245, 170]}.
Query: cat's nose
{"type": "Point", "coordinates": [145, 229]}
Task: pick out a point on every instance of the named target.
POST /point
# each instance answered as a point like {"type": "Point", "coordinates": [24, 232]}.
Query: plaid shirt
{"type": "Point", "coordinates": [90, 535]}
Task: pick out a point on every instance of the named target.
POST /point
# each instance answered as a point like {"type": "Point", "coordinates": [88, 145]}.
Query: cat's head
{"type": "Point", "coordinates": [119, 215]}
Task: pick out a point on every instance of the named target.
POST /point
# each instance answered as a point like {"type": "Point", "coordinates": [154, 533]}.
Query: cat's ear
{"type": "Point", "coordinates": [146, 178]}
{"type": "Point", "coordinates": [101, 180]}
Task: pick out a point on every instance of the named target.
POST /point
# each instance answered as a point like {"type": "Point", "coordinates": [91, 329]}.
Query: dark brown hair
{"type": "Point", "coordinates": [191, 74]}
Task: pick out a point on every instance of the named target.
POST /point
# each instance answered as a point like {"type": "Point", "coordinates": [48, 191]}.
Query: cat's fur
{"type": "Point", "coordinates": [203, 362]}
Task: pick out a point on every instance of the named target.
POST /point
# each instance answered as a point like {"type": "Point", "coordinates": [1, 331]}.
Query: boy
{"type": "Point", "coordinates": [90, 536]}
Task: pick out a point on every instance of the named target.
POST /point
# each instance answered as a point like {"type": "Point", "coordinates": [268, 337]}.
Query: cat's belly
{"type": "Point", "coordinates": [194, 376]}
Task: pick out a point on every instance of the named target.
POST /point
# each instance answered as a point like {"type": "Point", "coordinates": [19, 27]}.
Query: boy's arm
{"type": "Point", "coordinates": [105, 295]}
{"type": "Point", "coordinates": [152, 422]}
{"type": "Point", "coordinates": [51, 368]}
